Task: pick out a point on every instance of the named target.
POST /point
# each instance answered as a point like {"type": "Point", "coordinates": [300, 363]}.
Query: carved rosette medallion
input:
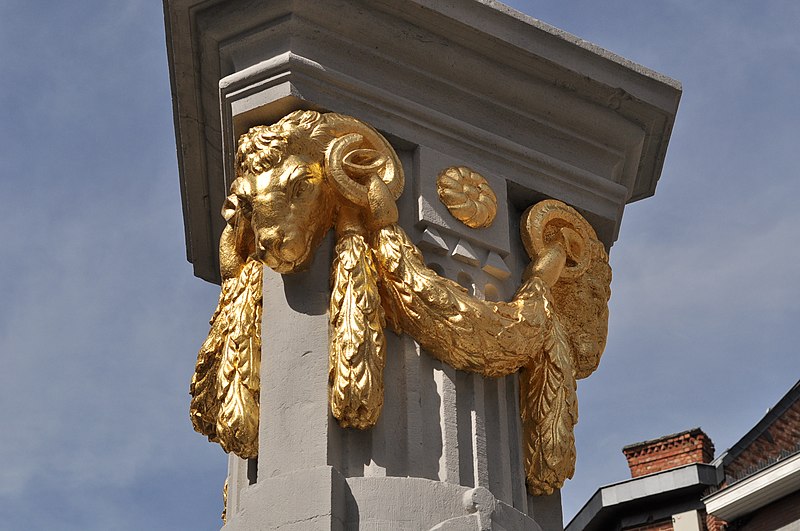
{"type": "Point", "coordinates": [467, 195]}
{"type": "Point", "coordinates": [312, 172]}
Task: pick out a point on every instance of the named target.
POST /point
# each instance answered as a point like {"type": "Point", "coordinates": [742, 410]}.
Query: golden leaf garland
{"type": "Point", "coordinates": [239, 375]}
{"type": "Point", "coordinates": [554, 328]}
{"type": "Point", "coordinates": [357, 345]}
{"type": "Point", "coordinates": [490, 338]}
{"type": "Point", "coordinates": [549, 411]}
{"type": "Point", "coordinates": [226, 383]}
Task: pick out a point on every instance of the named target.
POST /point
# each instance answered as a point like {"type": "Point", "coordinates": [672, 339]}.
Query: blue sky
{"type": "Point", "coordinates": [102, 317]}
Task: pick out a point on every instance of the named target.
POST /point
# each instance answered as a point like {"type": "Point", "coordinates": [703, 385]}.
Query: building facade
{"type": "Point", "coordinates": [676, 484]}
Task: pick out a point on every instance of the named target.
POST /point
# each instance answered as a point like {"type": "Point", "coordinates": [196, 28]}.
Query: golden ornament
{"type": "Point", "coordinates": [467, 195]}
{"type": "Point", "coordinates": [311, 172]}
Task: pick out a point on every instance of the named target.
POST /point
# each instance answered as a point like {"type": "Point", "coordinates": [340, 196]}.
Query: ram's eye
{"type": "Point", "coordinates": [298, 182]}
{"type": "Point", "coordinates": [301, 187]}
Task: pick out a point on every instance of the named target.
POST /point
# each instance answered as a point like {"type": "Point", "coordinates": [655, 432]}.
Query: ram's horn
{"type": "Point", "coordinates": [549, 221]}
{"type": "Point", "coordinates": [357, 151]}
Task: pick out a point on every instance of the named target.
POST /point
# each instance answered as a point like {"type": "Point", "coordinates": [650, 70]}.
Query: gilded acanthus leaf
{"type": "Point", "coordinates": [549, 411]}
{"type": "Point", "coordinates": [225, 385]}
{"type": "Point", "coordinates": [582, 307]}
{"type": "Point", "coordinates": [224, 514]}
{"type": "Point", "coordinates": [490, 338]}
{"type": "Point", "coordinates": [204, 406]}
{"type": "Point", "coordinates": [357, 344]}
{"type": "Point", "coordinates": [238, 375]}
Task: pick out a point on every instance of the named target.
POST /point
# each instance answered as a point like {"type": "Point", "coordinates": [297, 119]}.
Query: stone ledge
{"type": "Point", "coordinates": [569, 110]}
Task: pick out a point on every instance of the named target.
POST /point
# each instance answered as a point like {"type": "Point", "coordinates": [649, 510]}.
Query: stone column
{"type": "Point", "coordinates": [539, 113]}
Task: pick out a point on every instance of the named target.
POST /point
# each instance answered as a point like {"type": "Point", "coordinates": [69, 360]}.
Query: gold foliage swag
{"type": "Point", "coordinates": [553, 330]}
{"type": "Point", "coordinates": [357, 344]}
{"type": "Point", "coordinates": [226, 384]}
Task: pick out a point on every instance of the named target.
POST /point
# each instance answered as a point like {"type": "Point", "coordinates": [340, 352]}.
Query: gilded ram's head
{"type": "Point", "coordinates": [293, 176]}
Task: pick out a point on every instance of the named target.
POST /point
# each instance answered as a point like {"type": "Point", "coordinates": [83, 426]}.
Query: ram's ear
{"type": "Point", "coordinates": [230, 259]}
{"type": "Point", "coordinates": [237, 240]}
{"type": "Point", "coordinates": [356, 154]}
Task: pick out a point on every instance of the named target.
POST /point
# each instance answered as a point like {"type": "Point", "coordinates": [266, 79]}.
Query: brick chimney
{"type": "Point", "coordinates": [670, 451]}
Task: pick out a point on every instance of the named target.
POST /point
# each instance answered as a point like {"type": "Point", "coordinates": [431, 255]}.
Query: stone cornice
{"type": "Point", "coordinates": [576, 118]}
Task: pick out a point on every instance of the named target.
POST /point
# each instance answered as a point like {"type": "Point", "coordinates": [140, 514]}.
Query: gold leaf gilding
{"type": "Point", "coordinates": [310, 172]}
{"type": "Point", "coordinates": [467, 195]}
{"type": "Point", "coordinates": [357, 344]}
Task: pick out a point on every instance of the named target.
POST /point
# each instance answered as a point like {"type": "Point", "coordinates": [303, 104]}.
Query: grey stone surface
{"type": "Point", "coordinates": [294, 420]}
{"type": "Point", "coordinates": [313, 498]}
{"type": "Point", "coordinates": [547, 511]}
{"type": "Point", "coordinates": [463, 252]}
{"type": "Point", "coordinates": [495, 266]}
{"type": "Point", "coordinates": [432, 241]}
